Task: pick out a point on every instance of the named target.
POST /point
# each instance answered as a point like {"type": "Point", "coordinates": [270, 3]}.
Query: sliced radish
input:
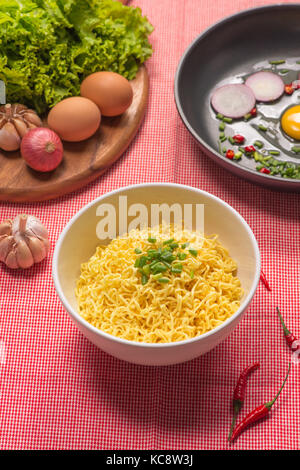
{"type": "Point", "coordinates": [233, 100]}
{"type": "Point", "coordinates": [266, 86]}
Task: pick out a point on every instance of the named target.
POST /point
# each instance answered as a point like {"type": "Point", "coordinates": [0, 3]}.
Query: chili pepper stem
{"type": "Point", "coordinates": [286, 331]}
{"type": "Point", "coordinates": [271, 403]}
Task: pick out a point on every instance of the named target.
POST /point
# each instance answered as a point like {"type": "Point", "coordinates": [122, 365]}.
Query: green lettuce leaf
{"type": "Point", "coordinates": [47, 47]}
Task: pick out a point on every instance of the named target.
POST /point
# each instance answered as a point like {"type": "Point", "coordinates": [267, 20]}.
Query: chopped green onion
{"type": "Point", "coordinates": [257, 156]}
{"type": "Point", "coordinates": [159, 268]}
{"type": "Point", "coordinates": [283, 70]}
{"type": "Point", "coordinates": [276, 62]}
{"type": "Point", "coordinates": [143, 261]}
{"type": "Point", "coordinates": [221, 126]}
{"type": "Point", "coordinates": [220, 116]}
{"type": "Point", "coordinates": [262, 127]}
{"type": "Point", "coordinates": [151, 240]}
{"type": "Point", "coordinates": [146, 269]}
{"type": "Point", "coordinates": [247, 116]}
{"type": "Point", "coordinates": [163, 280]}
{"type": "Point", "coordinates": [144, 279]}
{"type": "Point", "coordinates": [227, 119]}
{"type": "Point", "coordinates": [153, 254]}
{"type": "Point", "coordinates": [167, 242]}
{"type": "Point", "coordinates": [295, 149]}
{"type": "Point", "coordinates": [174, 245]}
{"type": "Point", "coordinates": [241, 149]}
{"type": "Point", "coordinates": [181, 256]}
{"type": "Point", "coordinates": [274, 152]}
{"type": "Point", "coordinates": [177, 266]}
{"type": "Point", "coordinates": [237, 156]}
{"type": "Point", "coordinates": [259, 144]}
{"type": "Point", "coordinates": [231, 140]}
{"type": "Point", "coordinates": [167, 264]}
{"type": "Point", "coordinates": [184, 245]}
{"type": "Point", "coordinates": [137, 263]}
{"type": "Point", "coordinates": [193, 252]}
{"type": "Point", "coordinates": [138, 251]}
{"type": "Point", "coordinates": [192, 274]}
{"type": "Point", "coordinates": [156, 276]}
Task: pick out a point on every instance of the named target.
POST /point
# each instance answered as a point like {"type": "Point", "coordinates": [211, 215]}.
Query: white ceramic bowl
{"type": "Point", "coordinates": [78, 242]}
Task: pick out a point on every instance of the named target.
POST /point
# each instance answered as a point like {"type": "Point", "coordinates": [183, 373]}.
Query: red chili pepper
{"type": "Point", "coordinates": [264, 280]}
{"type": "Point", "coordinates": [239, 393]}
{"type": "Point", "coordinates": [265, 170]}
{"type": "Point", "coordinates": [230, 154]}
{"type": "Point", "coordinates": [258, 413]}
{"type": "Point", "coordinates": [239, 139]}
{"type": "Point", "coordinates": [290, 338]}
{"type": "Point", "coordinates": [289, 89]}
{"type": "Point", "coordinates": [249, 149]}
{"type": "Point", "coordinates": [253, 112]}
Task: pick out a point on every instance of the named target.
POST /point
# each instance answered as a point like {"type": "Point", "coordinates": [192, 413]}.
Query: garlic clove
{"type": "Point", "coordinates": [34, 226]}
{"type": "Point", "coordinates": [33, 118]}
{"type": "Point", "coordinates": [6, 245]}
{"type": "Point", "coordinates": [23, 255]}
{"type": "Point", "coordinates": [37, 248]}
{"type": "Point", "coordinates": [5, 227]}
{"type": "Point", "coordinates": [21, 127]}
{"type": "Point", "coordinates": [11, 260]}
{"type": "Point", "coordinates": [9, 138]}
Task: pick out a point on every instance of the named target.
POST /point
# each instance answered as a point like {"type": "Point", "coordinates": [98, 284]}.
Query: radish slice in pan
{"type": "Point", "coordinates": [266, 86]}
{"type": "Point", "coordinates": [233, 100]}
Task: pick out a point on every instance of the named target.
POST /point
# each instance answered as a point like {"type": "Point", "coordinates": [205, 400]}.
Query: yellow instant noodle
{"type": "Point", "coordinates": [112, 298]}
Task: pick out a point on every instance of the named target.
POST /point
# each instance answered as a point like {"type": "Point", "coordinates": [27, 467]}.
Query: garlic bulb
{"type": "Point", "coordinates": [23, 241]}
{"type": "Point", "coordinates": [15, 121]}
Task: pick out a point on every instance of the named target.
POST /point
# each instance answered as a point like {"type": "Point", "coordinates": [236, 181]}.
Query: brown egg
{"type": "Point", "coordinates": [74, 119]}
{"type": "Point", "coordinates": [110, 91]}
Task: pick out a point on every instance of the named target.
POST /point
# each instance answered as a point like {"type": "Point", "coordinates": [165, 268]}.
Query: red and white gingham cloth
{"type": "Point", "coordinates": [58, 391]}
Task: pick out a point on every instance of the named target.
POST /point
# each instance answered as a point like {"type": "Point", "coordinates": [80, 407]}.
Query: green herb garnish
{"type": "Point", "coordinates": [161, 259]}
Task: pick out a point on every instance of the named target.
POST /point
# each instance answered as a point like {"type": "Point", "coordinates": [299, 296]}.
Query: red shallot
{"type": "Point", "coordinates": [42, 149]}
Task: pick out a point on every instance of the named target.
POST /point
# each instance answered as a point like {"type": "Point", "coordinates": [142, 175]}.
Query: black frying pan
{"type": "Point", "coordinates": [232, 46]}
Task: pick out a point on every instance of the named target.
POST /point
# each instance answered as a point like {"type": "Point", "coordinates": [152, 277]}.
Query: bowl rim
{"type": "Point", "coordinates": [75, 315]}
{"type": "Point", "coordinates": [187, 52]}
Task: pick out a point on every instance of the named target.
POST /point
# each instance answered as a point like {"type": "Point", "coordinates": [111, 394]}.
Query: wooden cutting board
{"type": "Point", "coordinates": [82, 162]}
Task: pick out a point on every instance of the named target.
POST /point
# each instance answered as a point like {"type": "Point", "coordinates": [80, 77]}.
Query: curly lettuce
{"type": "Point", "coordinates": [47, 47]}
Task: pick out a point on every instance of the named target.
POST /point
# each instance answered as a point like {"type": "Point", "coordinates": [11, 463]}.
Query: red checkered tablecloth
{"type": "Point", "coordinates": [58, 391]}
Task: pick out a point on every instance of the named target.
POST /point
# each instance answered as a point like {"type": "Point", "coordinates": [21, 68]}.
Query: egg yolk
{"type": "Point", "coordinates": [290, 122]}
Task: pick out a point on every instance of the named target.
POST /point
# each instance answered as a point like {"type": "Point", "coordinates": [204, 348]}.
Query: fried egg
{"type": "Point", "coordinates": [290, 122]}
